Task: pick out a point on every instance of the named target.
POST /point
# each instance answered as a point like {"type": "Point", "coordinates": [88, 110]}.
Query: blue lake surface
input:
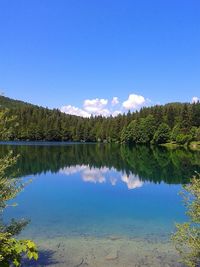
{"type": "Point", "coordinates": [100, 191]}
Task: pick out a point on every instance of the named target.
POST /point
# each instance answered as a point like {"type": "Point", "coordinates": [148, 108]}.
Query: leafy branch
{"type": "Point", "coordinates": [187, 236]}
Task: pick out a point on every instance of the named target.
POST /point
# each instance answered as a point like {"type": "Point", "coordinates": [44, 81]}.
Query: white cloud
{"type": "Point", "coordinates": [104, 112]}
{"type": "Point", "coordinates": [116, 113]}
{"type": "Point", "coordinates": [74, 111]}
{"type": "Point", "coordinates": [103, 107]}
{"type": "Point", "coordinates": [132, 181]}
{"type": "Point", "coordinates": [73, 169]}
{"type": "Point", "coordinates": [195, 99]}
{"type": "Point", "coordinates": [134, 101]}
{"type": "Point", "coordinates": [115, 101]}
{"type": "Point", "coordinates": [113, 181]}
{"type": "Point", "coordinates": [96, 106]}
{"type": "Point", "coordinates": [95, 102]}
{"type": "Point", "coordinates": [93, 175]}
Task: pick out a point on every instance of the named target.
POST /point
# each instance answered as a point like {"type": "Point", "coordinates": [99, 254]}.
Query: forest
{"type": "Point", "coordinates": [174, 122]}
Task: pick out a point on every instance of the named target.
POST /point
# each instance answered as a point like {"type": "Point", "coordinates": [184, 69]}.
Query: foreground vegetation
{"type": "Point", "coordinates": [175, 123]}
{"type": "Point", "coordinates": [187, 236]}
{"type": "Point", "coordinates": [11, 249]}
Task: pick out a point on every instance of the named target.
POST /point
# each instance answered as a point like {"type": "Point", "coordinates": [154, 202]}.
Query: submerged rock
{"type": "Point", "coordinates": [113, 238]}
{"type": "Point", "coordinates": [113, 255]}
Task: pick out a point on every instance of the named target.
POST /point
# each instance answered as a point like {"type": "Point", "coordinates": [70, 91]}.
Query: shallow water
{"type": "Point", "coordinates": [101, 205]}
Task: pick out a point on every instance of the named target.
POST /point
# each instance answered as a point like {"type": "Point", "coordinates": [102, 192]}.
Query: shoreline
{"type": "Point", "coordinates": [194, 145]}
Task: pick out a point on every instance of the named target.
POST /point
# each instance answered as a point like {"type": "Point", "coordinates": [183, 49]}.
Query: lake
{"type": "Point", "coordinates": [101, 204]}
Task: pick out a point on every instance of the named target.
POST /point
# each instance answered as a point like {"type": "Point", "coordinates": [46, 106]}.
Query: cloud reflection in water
{"type": "Point", "coordinates": [102, 175]}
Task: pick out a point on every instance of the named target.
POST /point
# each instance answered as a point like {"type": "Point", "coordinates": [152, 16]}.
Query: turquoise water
{"type": "Point", "coordinates": [99, 191]}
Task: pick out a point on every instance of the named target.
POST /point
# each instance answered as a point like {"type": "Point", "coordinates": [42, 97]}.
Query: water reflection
{"type": "Point", "coordinates": [79, 200]}
{"type": "Point", "coordinates": [97, 162]}
{"type": "Point", "coordinates": [88, 174]}
{"type": "Point", "coordinates": [132, 181]}
{"type": "Point", "coordinates": [103, 175]}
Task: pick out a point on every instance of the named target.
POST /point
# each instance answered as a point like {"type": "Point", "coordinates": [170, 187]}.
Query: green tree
{"type": "Point", "coordinates": [175, 132]}
{"type": "Point", "coordinates": [182, 139]}
{"type": "Point", "coordinates": [195, 133]}
{"type": "Point", "coordinates": [187, 236]}
{"type": "Point", "coordinates": [196, 114]}
{"type": "Point", "coordinates": [147, 128]}
{"type": "Point", "coordinates": [170, 116]}
{"type": "Point", "coordinates": [162, 135]}
{"type": "Point", "coordinates": [8, 125]}
{"type": "Point", "coordinates": [11, 249]}
{"type": "Point", "coordinates": [186, 119]}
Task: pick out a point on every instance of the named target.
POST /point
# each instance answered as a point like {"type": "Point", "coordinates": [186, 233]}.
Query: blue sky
{"type": "Point", "coordinates": [59, 53]}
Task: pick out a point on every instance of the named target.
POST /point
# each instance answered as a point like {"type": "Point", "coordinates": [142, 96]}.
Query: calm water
{"type": "Point", "coordinates": [97, 205]}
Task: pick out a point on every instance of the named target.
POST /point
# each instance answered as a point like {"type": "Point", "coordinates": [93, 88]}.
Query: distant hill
{"type": "Point", "coordinates": [6, 102]}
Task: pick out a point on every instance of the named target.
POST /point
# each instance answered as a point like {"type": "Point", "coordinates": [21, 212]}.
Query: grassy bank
{"type": "Point", "coordinates": [195, 145]}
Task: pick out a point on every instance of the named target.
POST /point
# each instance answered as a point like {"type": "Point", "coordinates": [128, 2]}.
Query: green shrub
{"type": "Point", "coordinates": [182, 139]}
{"type": "Point", "coordinates": [11, 249]}
{"type": "Point", "coordinates": [195, 132]}
{"type": "Point", "coordinates": [187, 236]}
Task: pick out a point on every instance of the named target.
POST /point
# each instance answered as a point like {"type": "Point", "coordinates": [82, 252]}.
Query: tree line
{"type": "Point", "coordinates": [174, 122]}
